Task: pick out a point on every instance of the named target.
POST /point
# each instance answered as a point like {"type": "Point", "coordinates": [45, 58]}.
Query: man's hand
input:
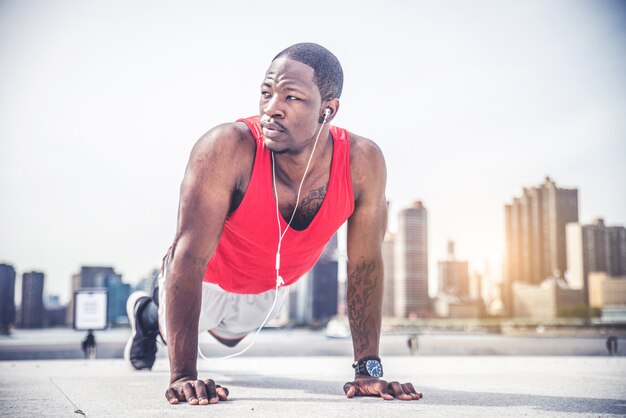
{"type": "Point", "coordinates": [195, 392]}
{"type": "Point", "coordinates": [372, 386]}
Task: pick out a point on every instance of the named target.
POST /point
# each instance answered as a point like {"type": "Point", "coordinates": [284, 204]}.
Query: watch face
{"type": "Point", "coordinates": [374, 368]}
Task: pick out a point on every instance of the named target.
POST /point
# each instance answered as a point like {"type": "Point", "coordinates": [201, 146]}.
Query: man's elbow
{"type": "Point", "coordinates": [187, 257]}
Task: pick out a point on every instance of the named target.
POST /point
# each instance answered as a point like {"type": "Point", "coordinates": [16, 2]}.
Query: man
{"type": "Point", "coordinates": [259, 200]}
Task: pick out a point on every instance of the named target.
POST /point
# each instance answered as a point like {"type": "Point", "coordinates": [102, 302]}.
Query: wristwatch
{"type": "Point", "coordinates": [370, 366]}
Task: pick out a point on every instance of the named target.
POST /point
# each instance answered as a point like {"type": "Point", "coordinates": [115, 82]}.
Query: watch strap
{"type": "Point", "coordinates": [360, 366]}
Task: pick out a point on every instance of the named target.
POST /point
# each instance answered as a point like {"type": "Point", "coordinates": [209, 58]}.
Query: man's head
{"type": "Point", "coordinates": [328, 74]}
{"type": "Point", "coordinates": [299, 93]}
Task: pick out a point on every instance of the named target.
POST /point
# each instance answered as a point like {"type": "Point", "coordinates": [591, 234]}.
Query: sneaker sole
{"type": "Point", "coordinates": [132, 318]}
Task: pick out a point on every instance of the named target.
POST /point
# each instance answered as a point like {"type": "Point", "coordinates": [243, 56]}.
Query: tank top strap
{"type": "Point", "coordinates": [254, 125]}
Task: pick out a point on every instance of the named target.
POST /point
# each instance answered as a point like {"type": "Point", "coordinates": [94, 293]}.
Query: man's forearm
{"type": "Point", "coordinates": [184, 297]}
{"type": "Point", "coordinates": [364, 300]}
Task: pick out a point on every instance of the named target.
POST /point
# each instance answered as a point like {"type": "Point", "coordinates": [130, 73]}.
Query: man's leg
{"type": "Point", "coordinates": [245, 313]}
{"type": "Point", "coordinates": [228, 318]}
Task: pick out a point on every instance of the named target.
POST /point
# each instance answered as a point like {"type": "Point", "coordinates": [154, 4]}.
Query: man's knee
{"type": "Point", "coordinates": [228, 342]}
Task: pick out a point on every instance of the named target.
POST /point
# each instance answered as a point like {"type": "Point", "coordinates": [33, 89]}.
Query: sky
{"type": "Point", "coordinates": [101, 102]}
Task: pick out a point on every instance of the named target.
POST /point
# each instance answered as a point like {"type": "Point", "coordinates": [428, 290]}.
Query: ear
{"type": "Point", "coordinates": [331, 106]}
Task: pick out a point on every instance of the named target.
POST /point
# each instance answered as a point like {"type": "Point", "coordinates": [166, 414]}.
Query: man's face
{"type": "Point", "coordinates": [289, 106]}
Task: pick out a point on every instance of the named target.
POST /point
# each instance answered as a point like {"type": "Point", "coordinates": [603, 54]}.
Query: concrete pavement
{"type": "Point", "coordinates": [312, 386]}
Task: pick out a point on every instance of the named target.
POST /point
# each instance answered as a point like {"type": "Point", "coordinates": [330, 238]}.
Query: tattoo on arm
{"type": "Point", "coordinates": [361, 287]}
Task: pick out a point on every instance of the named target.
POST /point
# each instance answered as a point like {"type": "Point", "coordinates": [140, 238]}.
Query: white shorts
{"type": "Point", "coordinates": [228, 315]}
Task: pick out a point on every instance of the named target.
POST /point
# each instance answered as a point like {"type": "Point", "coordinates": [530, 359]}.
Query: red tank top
{"type": "Point", "coordinates": [245, 259]}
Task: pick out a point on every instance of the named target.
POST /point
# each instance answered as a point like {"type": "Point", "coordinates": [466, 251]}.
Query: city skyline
{"type": "Point", "coordinates": [433, 280]}
{"type": "Point", "coordinates": [544, 217]}
{"type": "Point", "coordinates": [469, 103]}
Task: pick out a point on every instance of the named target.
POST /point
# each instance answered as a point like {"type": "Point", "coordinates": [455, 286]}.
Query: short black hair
{"type": "Point", "coordinates": [328, 74]}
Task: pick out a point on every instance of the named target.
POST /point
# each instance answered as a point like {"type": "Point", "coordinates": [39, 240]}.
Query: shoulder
{"type": "Point", "coordinates": [229, 147]}
{"type": "Point", "coordinates": [367, 165]}
{"type": "Point", "coordinates": [364, 151]}
{"type": "Point", "coordinates": [225, 139]}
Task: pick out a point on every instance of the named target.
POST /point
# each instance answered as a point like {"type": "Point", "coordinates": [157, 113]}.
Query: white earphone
{"type": "Point", "coordinates": [327, 113]}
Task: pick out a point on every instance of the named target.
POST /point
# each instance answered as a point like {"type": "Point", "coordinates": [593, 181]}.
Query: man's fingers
{"type": "Point", "coordinates": [222, 392]}
{"type": "Point", "coordinates": [371, 388]}
{"type": "Point", "coordinates": [396, 389]}
{"type": "Point", "coordinates": [411, 391]}
{"type": "Point", "coordinates": [407, 391]}
{"type": "Point", "coordinates": [190, 393]}
{"type": "Point", "coordinates": [201, 392]}
{"type": "Point", "coordinates": [349, 389]}
{"type": "Point", "coordinates": [212, 390]}
{"type": "Point", "coordinates": [198, 392]}
{"type": "Point", "coordinates": [172, 396]}
{"type": "Point", "coordinates": [385, 391]}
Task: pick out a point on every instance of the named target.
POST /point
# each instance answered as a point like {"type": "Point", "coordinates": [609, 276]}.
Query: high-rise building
{"type": "Point", "coordinates": [32, 311]}
{"type": "Point", "coordinates": [388, 260]}
{"type": "Point", "coordinates": [535, 235]}
{"type": "Point", "coordinates": [94, 277]}
{"type": "Point", "coordinates": [617, 251]}
{"type": "Point", "coordinates": [459, 294]}
{"type": "Point", "coordinates": [118, 293]}
{"type": "Point", "coordinates": [324, 284]}
{"type": "Point", "coordinates": [299, 304]}
{"type": "Point", "coordinates": [102, 278]}
{"type": "Point", "coordinates": [411, 263]}
{"type": "Point", "coordinates": [454, 275]}
{"type": "Point", "coordinates": [7, 298]}
{"type": "Point", "coordinates": [594, 248]}
{"type": "Point", "coordinates": [314, 298]}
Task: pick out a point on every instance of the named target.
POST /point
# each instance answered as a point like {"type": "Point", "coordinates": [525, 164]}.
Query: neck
{"type": "Point", "coordinates": [291, 166]}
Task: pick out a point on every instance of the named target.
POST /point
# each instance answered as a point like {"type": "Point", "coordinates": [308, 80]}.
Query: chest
{"type": "Point", "coordinates": [306, 206]}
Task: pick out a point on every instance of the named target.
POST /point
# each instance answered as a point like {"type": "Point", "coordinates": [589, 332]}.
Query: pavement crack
{"type": "Point", "coordinates": [76, 409]}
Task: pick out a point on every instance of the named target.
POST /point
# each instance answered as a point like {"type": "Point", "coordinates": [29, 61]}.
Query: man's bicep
{"type": "Point", "coordinates": [201, 215]}
{"type": "Point", "coordinates": [205, 196]}
{"type": "Point", "coordinates": [366, 229]}
{"type": "Point", "coordinates": [368, 223]}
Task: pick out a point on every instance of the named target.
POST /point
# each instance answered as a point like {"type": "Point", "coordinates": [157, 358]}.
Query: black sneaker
{"type": "Point", "coordinates": [141, 348]}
